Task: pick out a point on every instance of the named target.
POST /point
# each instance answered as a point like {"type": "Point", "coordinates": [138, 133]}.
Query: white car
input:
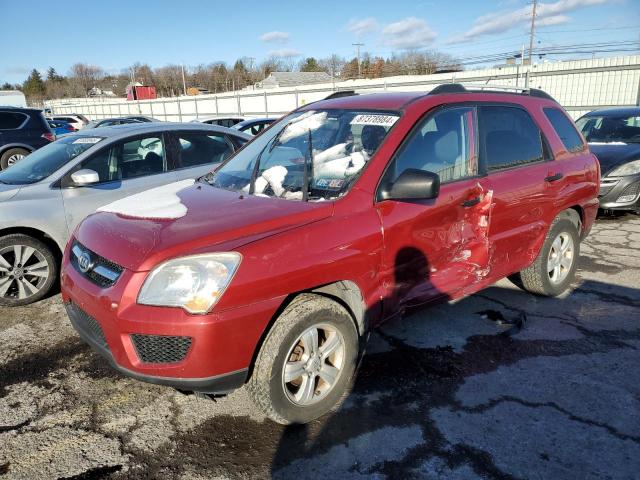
{"type": "Point", "coordinates": [221, 120]}
{"type": "Point", "coordinates": [76, 120]}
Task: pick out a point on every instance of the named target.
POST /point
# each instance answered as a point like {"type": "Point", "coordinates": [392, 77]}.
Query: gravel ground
{"type": "Point", "coordinates": [449, 392]}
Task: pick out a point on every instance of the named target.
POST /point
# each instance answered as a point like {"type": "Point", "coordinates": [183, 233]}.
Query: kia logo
{"type": "Point", "coordinates": [84, 262]}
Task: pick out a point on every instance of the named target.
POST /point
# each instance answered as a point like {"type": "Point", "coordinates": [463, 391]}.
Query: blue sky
{"type": "Point", "coordinates": [116, 33]}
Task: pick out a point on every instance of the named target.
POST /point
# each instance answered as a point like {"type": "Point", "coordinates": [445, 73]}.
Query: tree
{"type": "Point", "coordinates": [82, 77]}
{"type": "Point", "coordinates": [33, 86]}
{"type": "Point", "coordinates": [310, 64]}
{"type": "Point", "coordinates": [333, 65]}
{"type": "Point", "coordinates": [350, 69]}
{"type": "Point", "coordinates": [6, 86]}
{"type": "Point", "coordinates": [52, 75]}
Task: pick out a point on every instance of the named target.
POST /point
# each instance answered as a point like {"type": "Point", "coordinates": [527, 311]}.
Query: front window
{"type": "Point", "coordinates": [312, 155]}
{"type": "Point", "coordinates": [47, 160]}
{"type": "Point", "coordinates": [610, 128]}
{"type": "Point", "coordinates": [134, 158]}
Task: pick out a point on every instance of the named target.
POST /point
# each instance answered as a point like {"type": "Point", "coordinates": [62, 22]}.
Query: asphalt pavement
{"type": "Point", "coordinates": [501, 384]}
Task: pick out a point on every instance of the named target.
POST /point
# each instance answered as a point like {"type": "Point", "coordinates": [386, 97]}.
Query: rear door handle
{"type": "Point", "coordinates": [471, 202]}
{"type": "Point", "coordinates": [553, 178]}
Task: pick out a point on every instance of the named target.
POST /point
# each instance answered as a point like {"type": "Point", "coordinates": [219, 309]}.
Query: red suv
{"type": "Point", "coordinates": [271, 270]}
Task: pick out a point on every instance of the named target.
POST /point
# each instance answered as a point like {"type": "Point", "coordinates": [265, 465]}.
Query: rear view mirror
{"type": "Point", "coordinates": [413, 184]}
{"type": "Point", "coordinates": [85, 177]}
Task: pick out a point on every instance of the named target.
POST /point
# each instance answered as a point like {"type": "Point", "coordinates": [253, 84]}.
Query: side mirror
{"type": "Point", "coordinates": [413, 184]}
{"type": "Point", "coordinates": [85, 177]}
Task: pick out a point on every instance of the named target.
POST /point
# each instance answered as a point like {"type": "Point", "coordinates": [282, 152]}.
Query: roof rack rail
{"type": "Point", "coordinates": [460, 88]}
{"type": "Point", "coordinates": [340, 94]}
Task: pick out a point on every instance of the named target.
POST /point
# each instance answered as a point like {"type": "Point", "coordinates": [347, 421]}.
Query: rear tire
{"type": "Point", "coordinates": [12, 156]}
{"type": "Point", "coordinates": [554, 269]}
{"type": "Point", "coordinates": [293, 382]}
{"type": "Point", "coordinates": [28, 270]}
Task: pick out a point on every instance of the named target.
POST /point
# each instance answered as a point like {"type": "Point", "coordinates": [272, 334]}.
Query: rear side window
{"type": "Point", "coordinates": [200, 149]}
{"type": "Point", "coordinates": [565, 129]}
{"type": "Point", "coordinates": [11, 120]}
{"type": "Point", "coordinates": [508, 137]}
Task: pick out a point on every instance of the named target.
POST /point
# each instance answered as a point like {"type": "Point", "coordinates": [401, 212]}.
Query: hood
{"type": "Point", "coordinates": [7, 192]}
{"type": "Point", "coordinates": [215, 220]}
{"type": "Point", "coordinates": [612, 155]}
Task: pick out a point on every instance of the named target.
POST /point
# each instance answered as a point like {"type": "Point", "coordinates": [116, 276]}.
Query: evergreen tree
{"type": "Point", "coordinates": [33, 86]}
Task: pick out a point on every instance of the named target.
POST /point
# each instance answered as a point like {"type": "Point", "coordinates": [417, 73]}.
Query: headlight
{"type": "Point", "coordinates": [630, 168]}
{"type": "Point", "coordinates": [193, 283]}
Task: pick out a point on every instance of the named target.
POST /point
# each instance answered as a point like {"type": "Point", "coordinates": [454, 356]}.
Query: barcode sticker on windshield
{"type": "Point", "coordinates": [374, 119]}
{"type": "Point", "coordinates": [87, 140]}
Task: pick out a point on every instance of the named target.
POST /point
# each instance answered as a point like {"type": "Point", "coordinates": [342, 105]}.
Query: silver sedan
{"type": "Point", "coordinates": [44, 196]}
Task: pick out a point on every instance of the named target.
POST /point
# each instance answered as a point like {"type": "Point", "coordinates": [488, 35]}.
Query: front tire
{"type": "Point", "coordinates": [555, 267]}
{"type": "Point", "coordinates": [306, 364]}
{"type": "Point", "coordinates": [28, 270]}
{"type": "Point", "coordinates": [12, 156]}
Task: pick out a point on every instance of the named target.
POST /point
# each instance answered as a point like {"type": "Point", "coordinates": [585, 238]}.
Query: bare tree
{"type": "Point", "coordinates": [83, 77]}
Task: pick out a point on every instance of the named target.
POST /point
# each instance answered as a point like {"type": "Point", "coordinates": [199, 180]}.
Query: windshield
{"type": "Point", "coordinates": [610, 129]}
{"type": "Point", "coordinates": [47, 160]}
{"type": "Point", "coordinates": [312, 155]}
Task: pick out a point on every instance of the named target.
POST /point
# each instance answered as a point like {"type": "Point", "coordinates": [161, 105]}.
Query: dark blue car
{"type": "Point", "coordinates": [614, 137]}
{"type": "Point", "coordinates": [22, 130]}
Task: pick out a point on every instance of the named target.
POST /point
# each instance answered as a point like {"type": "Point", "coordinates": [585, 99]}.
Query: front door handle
{"type": "Point", "coordinates": [553, 178]}
{"type": "Point", "coordinates": [471, 202]}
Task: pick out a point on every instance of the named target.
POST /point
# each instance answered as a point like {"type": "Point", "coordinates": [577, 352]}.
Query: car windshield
{"type": "Point", "coordinates": [610, 128]}
{"type": "Point", "coordinates": [47, 160]}
{"type": "Point", "coordinates": [311, 155]}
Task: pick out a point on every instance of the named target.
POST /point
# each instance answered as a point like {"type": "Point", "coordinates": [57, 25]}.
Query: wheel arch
{"type": "Point", "coordinates": [9, 146]}
{"type": "Point", "coordinates": [36, 233]}
{"type": "Point", "coordinates": [344, 292]}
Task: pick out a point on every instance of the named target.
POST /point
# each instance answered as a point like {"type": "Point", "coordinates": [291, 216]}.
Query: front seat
{"type": "Point", "coordinates": [371, 137]}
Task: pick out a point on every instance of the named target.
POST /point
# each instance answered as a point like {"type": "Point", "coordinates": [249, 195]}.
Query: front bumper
{"type": "Point", "coordinates": [217, 384]}
{"type": "Point", "coordinates": [620, 193]}
{"type": "Point", "coordinates": [215, 358]}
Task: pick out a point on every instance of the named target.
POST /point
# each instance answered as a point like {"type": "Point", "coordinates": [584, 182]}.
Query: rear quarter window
{"type": "Point", "coordinates": [12, 120]}
{"type": "Point", "coordinates": [565, 129]}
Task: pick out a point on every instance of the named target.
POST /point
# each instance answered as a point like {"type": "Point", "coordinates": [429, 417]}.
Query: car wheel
{"type": "Point", "coordinates": [28, 270]}
{"type": "Point", "coordinates": [306, 364]}
{"type": "Point", "coordinates": [12, 156]}
{"type": "Point", "coordinates": [555, 267]}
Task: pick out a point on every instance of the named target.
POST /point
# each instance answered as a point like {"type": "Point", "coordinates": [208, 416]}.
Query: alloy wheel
{"type": "Point", "coordinates": [561, 258]}
{"type": "Point", "coordinates": [15, 158]}
{"type": "Point", "coordinates": [314, 364]}
{"type": "Point", "coordinates": [23, 272]}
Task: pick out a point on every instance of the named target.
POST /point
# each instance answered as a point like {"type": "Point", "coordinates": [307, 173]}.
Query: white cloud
{"type": "Point", "coordinates": [285, 52]}
{"type": "Point", "coordinates": [408, 33]}
{"type": "Point", "coordinates": [555, 20]}
{"type": "Point", "coordinates": [275, 37]}
{"type": "Point", "coordinates": [500, 22]}
{"type": "Point", "coordinates": [363, 26]}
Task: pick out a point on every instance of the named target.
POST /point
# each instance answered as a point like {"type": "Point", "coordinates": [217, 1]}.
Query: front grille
{"type": "Point", "coordinates": [102, 272]}
{"type": "Point", "coordinates": [161, 348]}
{"type": "Point", "coordinates": [87, 324]}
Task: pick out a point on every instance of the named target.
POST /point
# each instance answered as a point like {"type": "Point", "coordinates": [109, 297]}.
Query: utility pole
{"type": "Point", "coordinates": [184, 84]}
{"type": "Point", "coordinates": [532, 32]}
{"type": "Point", "coordinates": [358, 45]}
